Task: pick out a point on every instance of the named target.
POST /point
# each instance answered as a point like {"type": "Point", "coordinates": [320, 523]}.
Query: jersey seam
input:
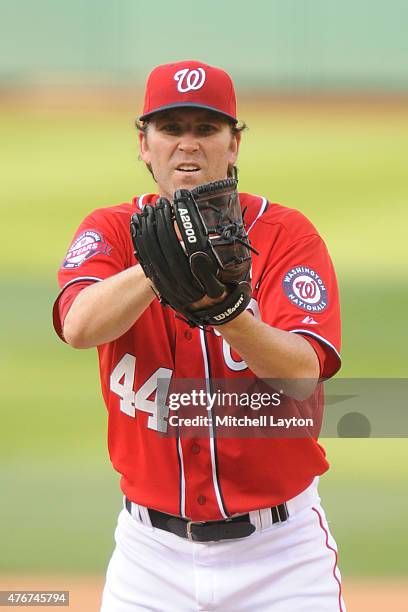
{"type": "Point", "coordinates": [113, 228]}
{"type": "Point", "coordinates": [314, 234]}
{"type": "Point", "coordinates": [304, 237]}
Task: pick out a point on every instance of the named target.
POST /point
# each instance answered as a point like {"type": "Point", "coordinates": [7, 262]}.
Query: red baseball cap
{"type": "Point", "coordinates": [189, 84]}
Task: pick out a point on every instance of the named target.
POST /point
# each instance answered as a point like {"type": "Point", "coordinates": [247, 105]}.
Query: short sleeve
{"type": "Point", "coordinates": [99, 249]}
{"type": "Point", "coordinates": [298, 293]}
{"type": "Point", "coordinates": [63, 303]}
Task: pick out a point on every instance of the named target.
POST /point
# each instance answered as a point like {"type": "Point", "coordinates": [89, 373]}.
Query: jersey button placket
{"type": "Point", "coordinates": [196, 466]}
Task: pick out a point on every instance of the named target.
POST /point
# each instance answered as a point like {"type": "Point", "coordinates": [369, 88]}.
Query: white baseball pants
{"type": "Point", "coordinates": [281, 567]}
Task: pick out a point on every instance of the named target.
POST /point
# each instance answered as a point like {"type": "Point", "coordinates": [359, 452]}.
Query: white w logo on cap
{"type": "Point", "coordinates": [188, 80]}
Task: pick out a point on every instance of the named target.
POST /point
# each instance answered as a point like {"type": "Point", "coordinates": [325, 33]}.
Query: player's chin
{"type": "Point", "coordinates": [189, 180]}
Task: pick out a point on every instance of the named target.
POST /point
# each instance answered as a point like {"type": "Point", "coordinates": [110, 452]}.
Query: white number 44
{"type": "Point", "coordinates": [121, 382]}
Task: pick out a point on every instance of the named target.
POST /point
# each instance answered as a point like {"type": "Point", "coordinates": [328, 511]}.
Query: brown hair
{"type": "Point", "coordinates": [236, 128]}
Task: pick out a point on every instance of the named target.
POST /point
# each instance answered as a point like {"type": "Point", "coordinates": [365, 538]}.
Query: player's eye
{"type": "Point", "coordinates": [171, 128]}
{"type": "Point", "coordinates": [206, 129]}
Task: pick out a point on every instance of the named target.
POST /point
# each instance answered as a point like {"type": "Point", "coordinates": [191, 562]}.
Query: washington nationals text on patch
{"type": "Point", "coordinates": [305, 288]}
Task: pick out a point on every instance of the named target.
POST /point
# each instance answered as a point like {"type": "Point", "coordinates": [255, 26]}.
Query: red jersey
{"type": "Point", "coordinates": [294, 289]}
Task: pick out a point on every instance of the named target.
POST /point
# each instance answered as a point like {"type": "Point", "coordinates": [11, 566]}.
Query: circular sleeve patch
{"type": "Point", "coordinates": [89, 243]}
{"type": "Point", "coordinates": [305, 289]}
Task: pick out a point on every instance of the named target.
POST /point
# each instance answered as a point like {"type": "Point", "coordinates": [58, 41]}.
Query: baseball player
{"type": "Point", "coordinates": [209, 522]}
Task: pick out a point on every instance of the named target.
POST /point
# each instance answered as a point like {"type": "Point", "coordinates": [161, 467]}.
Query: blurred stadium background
{"type": "Point", "coordinates": [323, 87]}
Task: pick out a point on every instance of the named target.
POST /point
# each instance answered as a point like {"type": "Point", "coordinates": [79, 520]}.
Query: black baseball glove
{"type": "Point", "coordinates": [212, 258]}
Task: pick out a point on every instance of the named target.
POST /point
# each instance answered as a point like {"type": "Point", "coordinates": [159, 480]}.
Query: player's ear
{"type": "Point", "coordinates": [144, 149]}
{"type": "Point", "coordinates": [234, 147]}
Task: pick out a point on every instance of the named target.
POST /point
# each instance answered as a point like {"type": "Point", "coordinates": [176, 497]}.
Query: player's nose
{"type": "Point", "coordinates": [188, 143]}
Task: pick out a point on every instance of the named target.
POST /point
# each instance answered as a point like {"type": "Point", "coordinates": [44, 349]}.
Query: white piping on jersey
{"type": "Point", "coordinates": [182, 480]}
{"type": "Point", "coordinates": [79, 279]}
{"type": "Point", "coordinates": [140, 201]}
{"type": "Point", "coordinates": [211, 428]}
{"type": "Point", "coordinates": [307, 332]}
{"type": "Point", "coordinates": [264, 204]}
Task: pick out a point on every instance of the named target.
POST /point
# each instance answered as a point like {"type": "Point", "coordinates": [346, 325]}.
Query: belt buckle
{"type": "Point", "coordinates": [189, 525]}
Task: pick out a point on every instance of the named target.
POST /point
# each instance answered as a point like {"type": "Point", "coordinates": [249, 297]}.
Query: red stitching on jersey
{"type": "Point", "coordinates": [335, 555]}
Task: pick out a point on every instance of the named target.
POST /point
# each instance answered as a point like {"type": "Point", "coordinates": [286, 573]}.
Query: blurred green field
{"type": "Point", "coordinates": [345, 168]}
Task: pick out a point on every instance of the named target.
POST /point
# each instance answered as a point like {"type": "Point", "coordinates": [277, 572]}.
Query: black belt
{"type": "Point", "coordinates": [209, 531]}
